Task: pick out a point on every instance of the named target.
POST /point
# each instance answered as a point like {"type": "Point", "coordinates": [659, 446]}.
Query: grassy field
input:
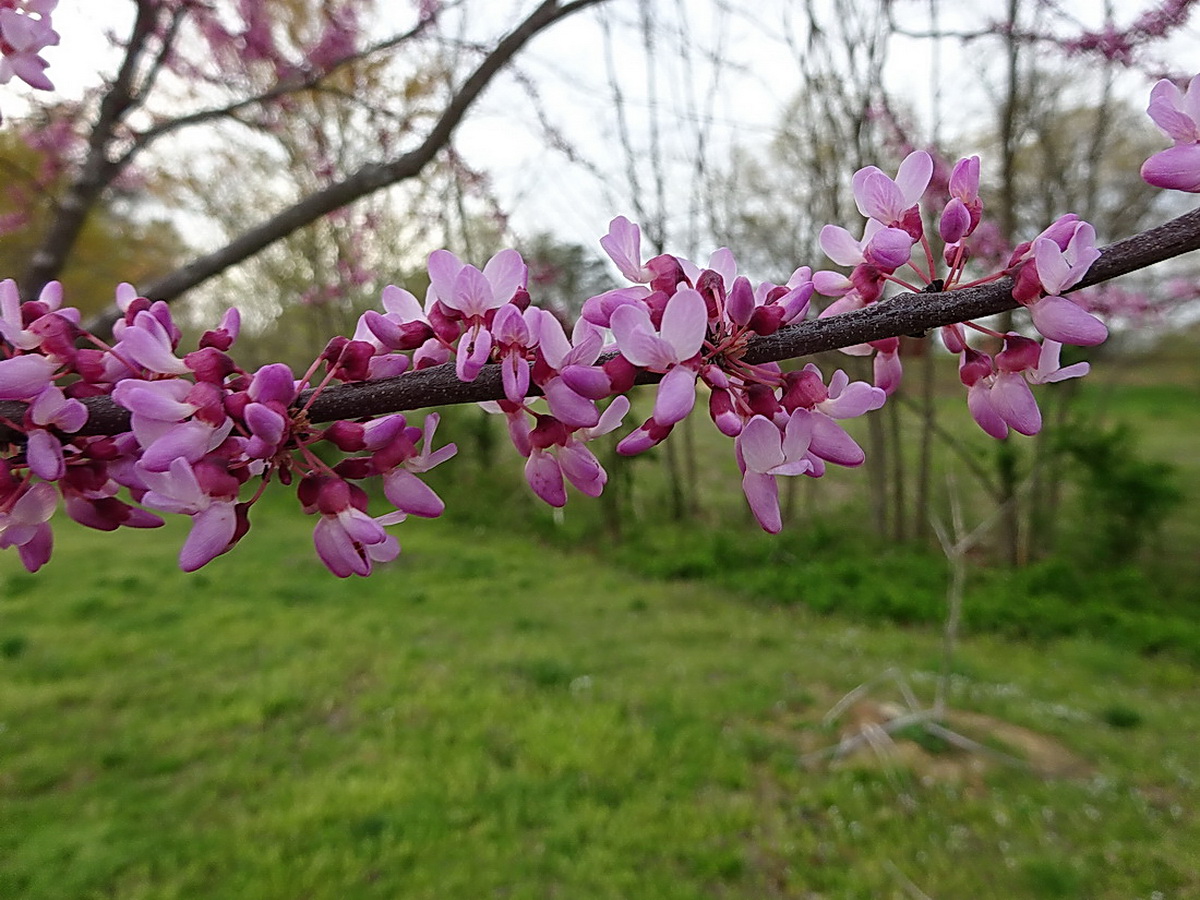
{"type": "Point", "coordinates": [497, 716]}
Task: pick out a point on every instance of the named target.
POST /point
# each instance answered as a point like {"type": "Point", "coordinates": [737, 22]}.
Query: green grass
{"type": "Point", "coordinates": [498, 716]}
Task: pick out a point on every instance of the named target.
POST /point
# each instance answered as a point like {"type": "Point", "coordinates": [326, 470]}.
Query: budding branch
{"type": "Point", "coordinates": [906, 313]}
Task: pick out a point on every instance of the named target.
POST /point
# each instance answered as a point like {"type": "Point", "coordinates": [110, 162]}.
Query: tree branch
{"type": "Point", "coordinates": [302, 82]}
{"type": "Point", "coordinates": [906, 313]}
{"type": "Point", "coordinates": [366, 180]}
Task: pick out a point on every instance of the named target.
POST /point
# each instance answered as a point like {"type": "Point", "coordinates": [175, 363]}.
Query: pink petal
{"type": "Point", "coordinates": [212, 530]}
{"type": "Point", "coordinates": [797, 436]}
{"type": "Point", "coordinates": [612, 417]}
{"type": "Point", "coordinates": [265, 422]}
{"type": "Point", "coordinates": [444, 267]}
{"type": "Point", "coordinates": [35, 551]}
{"type": "Point", "coordinates": [637, 340]}
{"type": "Point", "coordinates": [839, 246]}
{"type": "Point", "coordinates": [761, 445]}
{"type": "Point", "coordinates": [913, 176]}
{"type": "Point", "coordinates": [161, 400]}
{"type": "Point", "coordinates": [762, 494]}
{"type": "Point", "coordinates": [830, 442]}
{"type": "Point", "coordinates": [588, 381]}
{"type": "Point", "coordinates": [337, 551]}
{"type": "Point", "coordinates": [24, 377]}
{"type": "Point", "coordinates": [979, 402]}
{"type": "Point", "coordinates": [1165, 109]}
{"type": "Point", "coordinates": [1176, 168]}
{"type": "Point", "coordinates": [878, 197]}
{"type": "Point", "coordinates": [1061, 320]}
{"type": "Point", "coordinates": [676, 396]}
{"type": "Point", "coordinates": [151, 351]}
{"type": "Point", "coordinates": [472, 294]}
{"type": "Point", "coordinates": [685, 323]}
{"type": "Point", "coordinates": [515, 376]}
{"type": "Point", "coordinates": [569, 407]}
{"type": "Point", "coordinates": [506, 272]}
{"type": "Point", "coordinates": [402, 303]}
{"type": "Point", "coordinates": [1013, 401]}
{"type": "Point", "coordinates": [35, 506]}
{"type": "Point", "coordinates": [45, 456]}
{"type": "Point", "coordinates": [473, 350]}
{"type": "Point", "coordinates": [890, 248]}
{"type": "Point", "coordinates": [410, 494]}
{"type": "Point", "coordinates": [582, 469]}
{"type": "Point", "coordinates": [623, 244]}
{"type": "Point", "coordinates": [545, 478]}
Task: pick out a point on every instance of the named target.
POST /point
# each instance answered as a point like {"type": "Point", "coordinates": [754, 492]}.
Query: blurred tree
{"type": "Point", "coordinates": [128, 237]}
{"type": "Point", "coordinates": [195, 76]}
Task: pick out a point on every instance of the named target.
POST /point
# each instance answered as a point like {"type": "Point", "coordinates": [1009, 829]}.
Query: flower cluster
{"type": "Point", "coordinates": [205, 437]}
{"type": "Point", "coordinates": [692, 326]}
{"type": "Point", "coordinates": [1043, 269]}
{"type": "Point", "coordinates": [201, 429]}
{"type": "Point", "coordinates": [25, 31]}
{"type": "Point", "coordinates": [1177, 113]}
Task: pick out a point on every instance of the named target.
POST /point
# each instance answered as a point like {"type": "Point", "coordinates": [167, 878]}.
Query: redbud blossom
{"type": "Point", "coordinates": [1177, 113]}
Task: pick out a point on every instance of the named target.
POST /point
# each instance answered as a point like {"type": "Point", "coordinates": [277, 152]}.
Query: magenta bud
{"type": "Point", "coordinates": [761, 399]}
{"type": "Point", "coordinates": [974, 367]}
{"type": "Point", "coordinates": [210, 364]}
{"type": "Point", "coordinates": [955, 221]}
{"type": "Point", "coordinates": [209, 401]}
{"type": "Point", "coordinates": [333, 496]}
{"type": "Point", "coordinates": [548, 432]}
{"type": "Point", "coordinates": [740, 306]}
{"type": "Point", "coordinates": [667, 273]}
{"type": "Point", "coordinates": [767, 319]}
{"type": "Point", "coordinates": [621, 373]}
{"type": "Point", "coordinates": [803, 390]}
{"type": "Point", "coordinates": [1019, 353]}
{"type": "Point", "coordinates": [346, 436]}
{"type": "Point", "coordinates": [720, 408]}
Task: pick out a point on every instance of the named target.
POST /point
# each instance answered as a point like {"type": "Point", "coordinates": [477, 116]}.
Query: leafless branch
{"type": "Point", "coordinates": [903, 314]}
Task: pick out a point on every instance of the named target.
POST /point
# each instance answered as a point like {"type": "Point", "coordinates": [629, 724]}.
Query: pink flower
{"type": "Point", "coordinates": [1061, 256]}
{"type": "Point", "coordinates": [1177, 113]}
{"type": "Point", "coordinates": [347, 539]}
{"type": "Point", "coordinates": [764, 451]}
{"type": "Point", "coordinates": [473, 296]}
{"type": "Point", "coordinates": [623, 244]}
{"type": "Point", "coordinates": [893, 202]}
{"type": "Point", "coordinates": [24, 519]}
{"type": "Point", "coordinates": [556, 451]}
{"type": "Point", "coordinates": [12, 327]}
{"type": "Point", "coordinates": [25, 31]}
{"type": "Point", "coordinates": [210, 504]}
{"type": "Point", "coordinates": [881, 246]}
{"type": "Point", "coordinates": [684, 326]}
{"type": "Point", "coordinates": [402, 487]}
